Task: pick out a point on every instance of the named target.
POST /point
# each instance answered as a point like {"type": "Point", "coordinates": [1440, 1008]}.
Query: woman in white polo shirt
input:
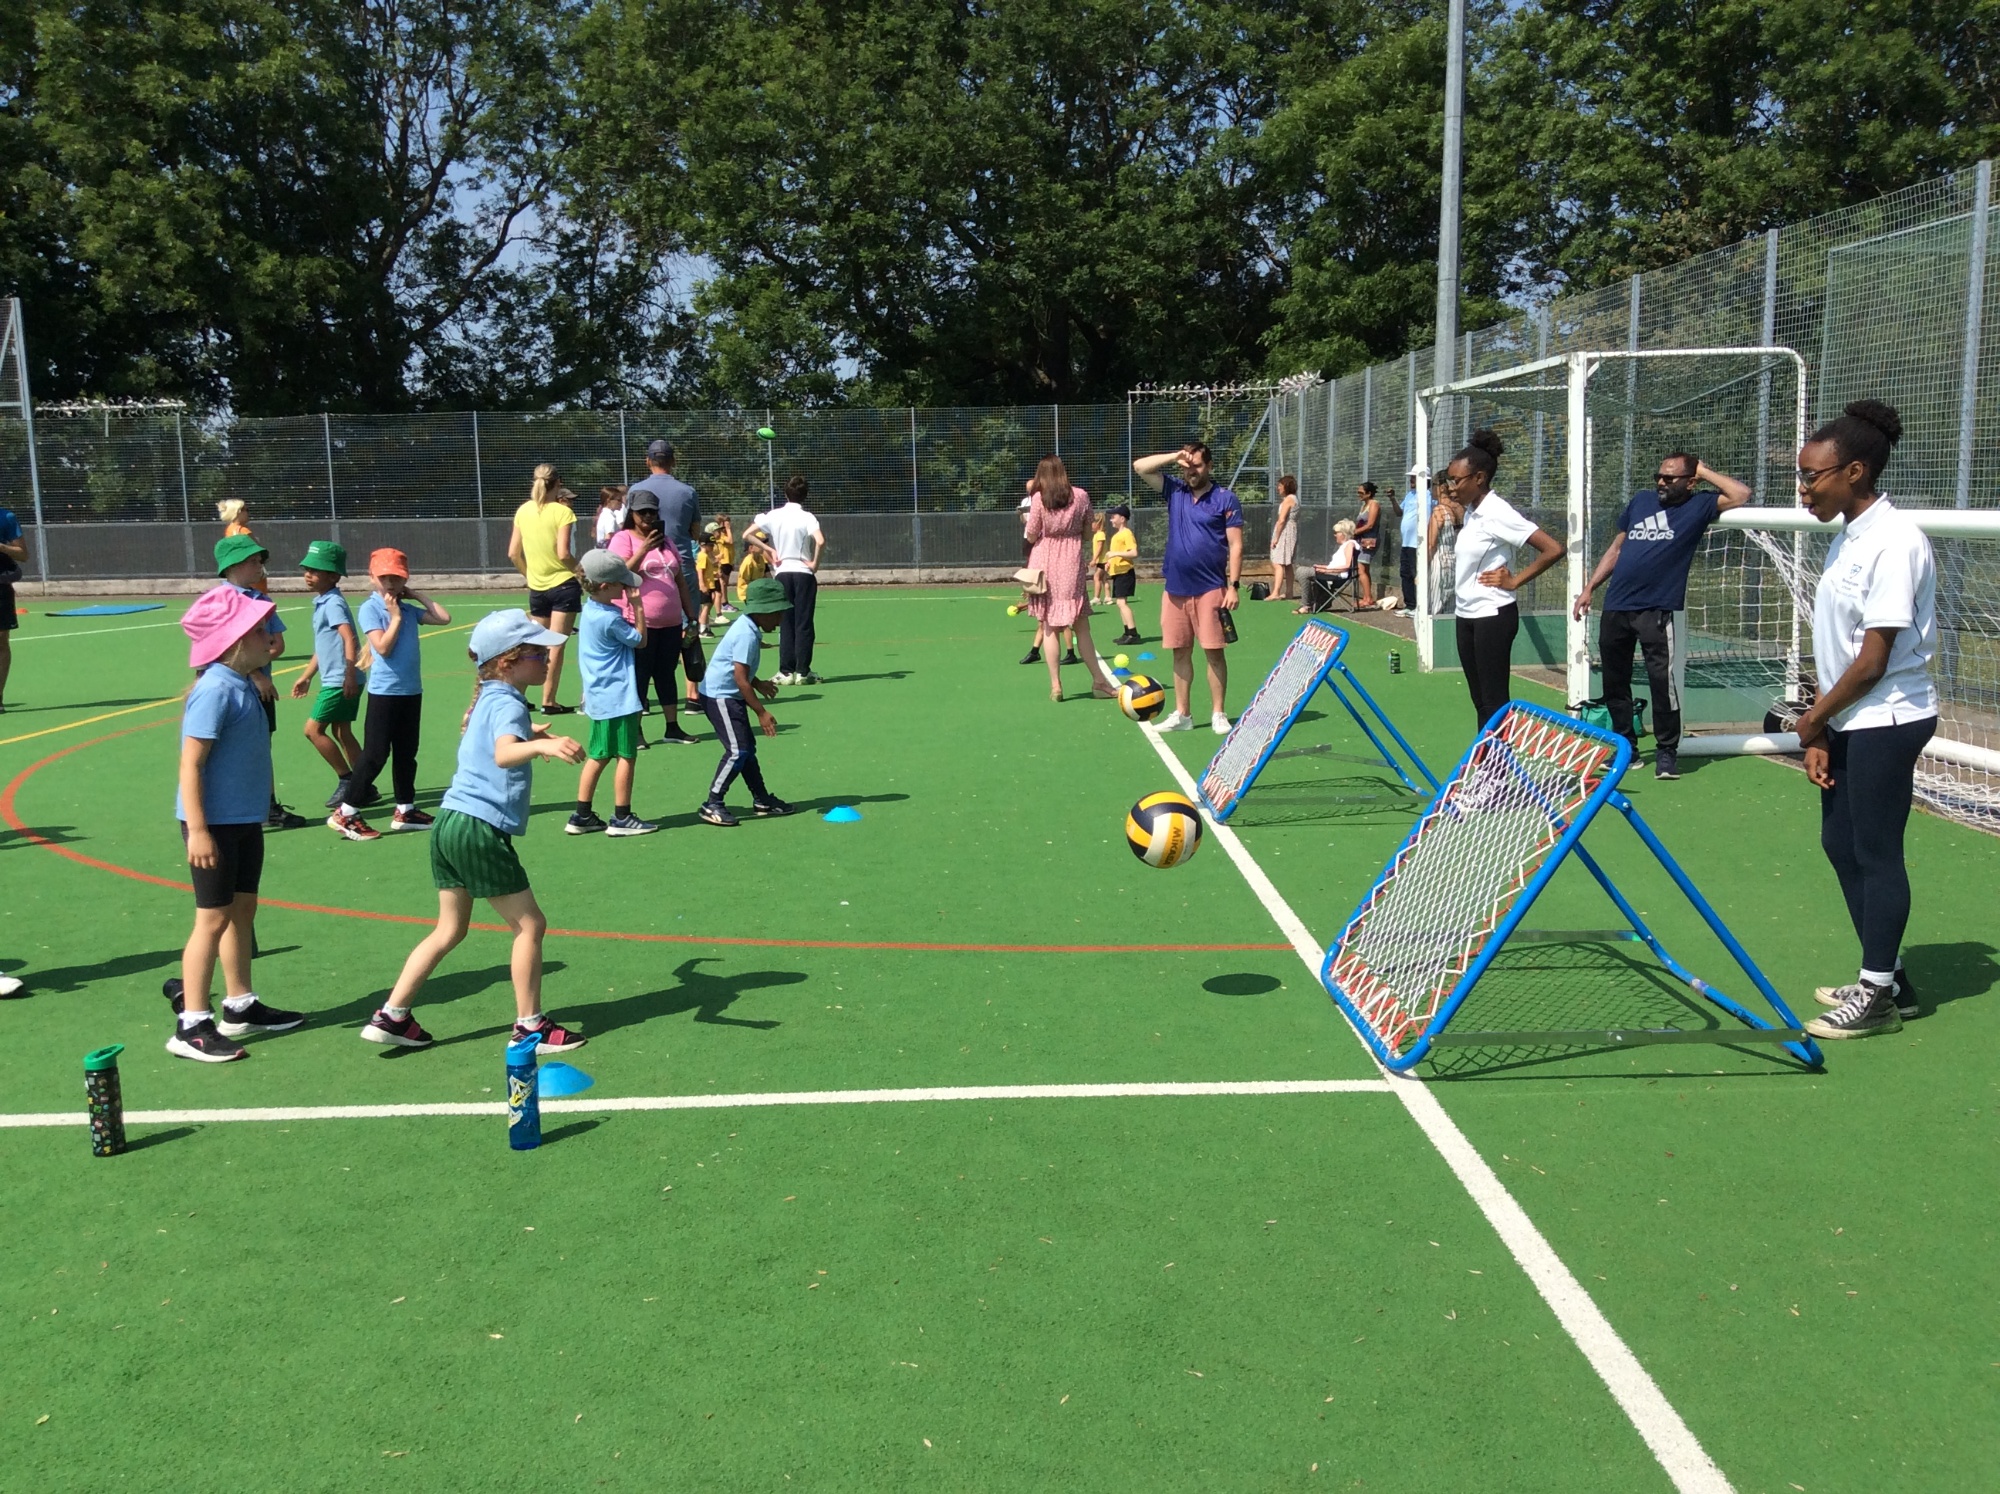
{"type": "Point", "coordinates": [1491, 532]}
{"type": "Point", "coordinates": [1874, 631]}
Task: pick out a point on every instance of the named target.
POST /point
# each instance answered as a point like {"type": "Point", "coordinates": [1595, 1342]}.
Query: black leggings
{"type": "Point", "coordinates": [654, 662]}
{"type": "Point", "coordinates": [394, 727]}
{"type": "Point", "coordinates": [1861, 820]}
{"type": "Point", "coordinates": [1485, 653]}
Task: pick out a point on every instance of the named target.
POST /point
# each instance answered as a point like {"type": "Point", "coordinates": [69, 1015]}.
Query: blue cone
{"type": "Point", "coordinates": [1121, 674]}
{"type": "Point", "coordinates": [1147, 657]}
{"type": "Point", "coordinates": [842, 814]}
{"type": "Point", "coordinates": [559, 1079]}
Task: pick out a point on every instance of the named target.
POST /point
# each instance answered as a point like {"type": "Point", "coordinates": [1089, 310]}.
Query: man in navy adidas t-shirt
{"type": "Point", "coordinates": [1647, 562]}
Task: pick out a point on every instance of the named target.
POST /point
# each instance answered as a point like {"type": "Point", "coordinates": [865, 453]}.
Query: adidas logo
{"type": "Point", "coordinates": [1652, 527]}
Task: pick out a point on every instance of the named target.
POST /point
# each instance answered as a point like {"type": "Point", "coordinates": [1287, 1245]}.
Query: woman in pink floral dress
{"type": "Point", "coordinates": [1058, 522]}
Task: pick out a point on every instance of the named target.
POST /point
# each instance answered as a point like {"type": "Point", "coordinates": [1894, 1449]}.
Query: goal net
{"type": "Point", "coordinates": [1585, 432]}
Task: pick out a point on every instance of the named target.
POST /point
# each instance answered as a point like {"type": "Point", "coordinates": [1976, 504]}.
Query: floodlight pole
{"type": "Point", "coordinates": [1448, 199]}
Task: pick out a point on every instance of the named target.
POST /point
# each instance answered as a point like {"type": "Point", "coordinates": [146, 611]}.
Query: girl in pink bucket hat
{"type": "Point", "coordinates": [225, 794]}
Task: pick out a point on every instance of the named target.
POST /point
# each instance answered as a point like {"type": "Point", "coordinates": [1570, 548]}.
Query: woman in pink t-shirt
{"type": "Point", "coordinates": [643, 545]}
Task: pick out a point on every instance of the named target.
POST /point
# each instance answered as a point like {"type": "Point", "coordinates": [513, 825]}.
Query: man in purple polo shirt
{"type": "Point", "coordinates": [1203, 561]}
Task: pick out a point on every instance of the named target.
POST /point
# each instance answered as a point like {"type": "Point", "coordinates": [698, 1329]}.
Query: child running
{"type": "Point", "coordinates": [225, 790]}
{"type": "Point", "coordinates": [607, 653]}
{"type": "Point", "coordinates": [730, 690]}
{"type": "Point", "coordinates": [472, 845]}
{"type": "Point", "coordinates": [337, 662]}
{"type": "Point", "coordinates": [239, 560]}
{"type": "Point", "coordinates": [390, 618]}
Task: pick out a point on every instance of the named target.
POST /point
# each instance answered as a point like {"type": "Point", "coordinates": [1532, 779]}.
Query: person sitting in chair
{"type": "Point", "coordinates": [1328, 580]}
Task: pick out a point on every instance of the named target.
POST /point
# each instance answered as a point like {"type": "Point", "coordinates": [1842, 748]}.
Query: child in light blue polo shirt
{"type": "Point", "coordinates": [607, 652]}
{"type": "Point", "coordinates": [472, 841]}
{"type": "Point", "coordinates": [730, 691]}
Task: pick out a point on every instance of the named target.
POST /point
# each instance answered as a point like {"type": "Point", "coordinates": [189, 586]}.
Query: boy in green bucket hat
{"type": "Point", "coordinates": [336, 660]}
{"type": "Point", "coordinates": [239, 560]}
{"type": "Point", "coordinates": [730, 691]}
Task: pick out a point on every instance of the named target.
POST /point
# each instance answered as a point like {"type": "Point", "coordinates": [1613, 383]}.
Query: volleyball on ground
{"type": "Point", "coordinates": [1140, 697]}
{"type": "Point", "coordinates": [1163, 829]}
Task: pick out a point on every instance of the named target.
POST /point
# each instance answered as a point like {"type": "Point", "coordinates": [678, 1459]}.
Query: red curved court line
{"type": "Point", "coordinates": [14, 822]}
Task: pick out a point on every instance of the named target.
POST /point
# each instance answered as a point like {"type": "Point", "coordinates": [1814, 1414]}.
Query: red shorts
{"type": "Point", "coordinates": [1185, 621]}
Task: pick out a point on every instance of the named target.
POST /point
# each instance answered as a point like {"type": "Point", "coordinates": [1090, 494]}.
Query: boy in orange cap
{"type": "Point", "coordinates": [225, 794]}
{"type": "Point", "coordinates": [389, 620]}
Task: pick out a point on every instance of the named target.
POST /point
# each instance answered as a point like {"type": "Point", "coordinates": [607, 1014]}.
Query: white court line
{"type": "Point", "coordinates": [1669, 1437]}
{"type": "Point", "coordinates": [730, 1102]}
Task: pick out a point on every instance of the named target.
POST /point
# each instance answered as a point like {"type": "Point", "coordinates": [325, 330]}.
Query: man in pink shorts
{"type": "Point", "coordinates": [1201, 566]}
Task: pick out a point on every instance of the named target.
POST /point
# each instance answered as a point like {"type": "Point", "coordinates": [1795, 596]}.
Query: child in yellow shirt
{"type": "Point", "coordinates": [1121, 561]}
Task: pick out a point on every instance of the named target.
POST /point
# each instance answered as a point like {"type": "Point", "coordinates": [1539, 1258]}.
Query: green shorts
{"type": "Point", "coordinates": [467, 852]}
{"type": "Point", "coordinates": [331, 707]}
{"type": "Point", "coordinates": [618, 737]}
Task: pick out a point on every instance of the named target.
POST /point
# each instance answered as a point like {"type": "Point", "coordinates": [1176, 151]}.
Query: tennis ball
{"type": "Point", "coordinates": [1121, 661]}
{"type": "Point", "coordinates": [1014, 611]}
{"type": "Point", "coordinates": [765, 433]}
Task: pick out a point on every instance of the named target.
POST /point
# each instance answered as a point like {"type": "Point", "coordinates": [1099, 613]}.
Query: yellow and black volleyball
{"type": "Point", "coordinates": [1163, 829]}
{"type": "Point", "coordinates": [1141, 697]}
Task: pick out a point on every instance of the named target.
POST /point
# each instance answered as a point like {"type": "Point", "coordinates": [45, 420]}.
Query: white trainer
{"type": "Point", "coordinates": [1218, 723]}
{"type": "Point", "coordinates": [1177, 721]}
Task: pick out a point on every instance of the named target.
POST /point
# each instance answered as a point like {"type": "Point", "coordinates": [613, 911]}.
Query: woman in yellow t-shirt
{"type": "Point", "coordinates": [543, 550]}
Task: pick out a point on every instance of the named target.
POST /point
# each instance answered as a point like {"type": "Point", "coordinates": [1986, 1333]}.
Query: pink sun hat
{"type": "Point", "coordinates": [219, 617]}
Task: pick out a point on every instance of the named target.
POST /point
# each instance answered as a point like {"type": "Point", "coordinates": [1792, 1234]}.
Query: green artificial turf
{"type": "Point", "coordinates": [1696, 1193]}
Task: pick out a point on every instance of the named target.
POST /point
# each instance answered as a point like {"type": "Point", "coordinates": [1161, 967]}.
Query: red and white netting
{"type": "Point", "coordinates": [1439, 901]}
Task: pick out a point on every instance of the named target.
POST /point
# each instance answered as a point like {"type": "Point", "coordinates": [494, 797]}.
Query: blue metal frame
{"type": "Point", "coordinates": [1324, 676]}
{"type": "Point", "coordinates": [1570, 840]}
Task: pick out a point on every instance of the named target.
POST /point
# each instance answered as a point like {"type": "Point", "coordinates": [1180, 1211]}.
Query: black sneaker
{"type": "Point", "coordinates": [678, 737]}
{"type": "Point", "coordinates": [204, 1044]}
{"type": "Point", "coordinates": [629, 824]}
{"type": "Point", "coordinates": [693, 708]}
{"type": "Point", "coordinates": [1871, 1009]}
{"type": "Point", "coordinates": [256, 1017]}
{"type": "Point", "coordinates": [715, 814]}
{"type": "Point", "coordinates": [555, 1037]}
{"type": "Point", "coordinates": [175, 992]}
{"type": "Point", "coordinates": [583, 823]}
{"type": "Point", "coordinates": [281, 818]}
{"type": "Point", "coordinates": [339, 795]}
{"type": "Point", "coordinates": [767, 809]}
{"type": "Point", "coordinates": [1033, 656]}
{"type": "Point", "coordinates": [385, 1029]}
{"type": "Point", "coordinates": [1906, 996]}
{"type": "Point", "coordinates": [1071, 658]}
{"type": "Point", "coordinates": [1666, 765]}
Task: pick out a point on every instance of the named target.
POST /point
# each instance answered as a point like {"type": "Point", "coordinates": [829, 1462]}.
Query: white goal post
{"type": "Point", "coordinates": [1598, 418]}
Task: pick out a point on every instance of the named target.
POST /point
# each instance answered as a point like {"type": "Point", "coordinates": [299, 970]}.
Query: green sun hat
{"type": "Point", "coordinates": [234, 549]}
{"type": "Point", "coordinates": [325, 555]}
{"type": "Point", "coordinates": [765, 595]}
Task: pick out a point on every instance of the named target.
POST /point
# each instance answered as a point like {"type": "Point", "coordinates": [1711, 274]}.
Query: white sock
{"type": "Point", "coordinates": [396, 1013]}
{"type": "Point", "coordinates": [348, 809]}
{"type": "Point", "coordinates": [533, 1024]}
{"type": "Point", "coordinates": [235, 1004]}
{"type": "Point", "coordinates": [405, 808]}
{"type": "Point", "coordinates": [191, 1020]}
{"type": "Point", "coordinates": [1876, 978]}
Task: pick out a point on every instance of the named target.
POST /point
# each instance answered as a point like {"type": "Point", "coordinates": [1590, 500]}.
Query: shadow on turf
{"type": "Point", "coordinates": [574, 1128]}
{"type": "Point", "coordinates": [1319, 800]}
{"type": "Point", "coordinates": [439, 990]}
{"type": "Point", "coordinates": [1243, 983]}
{"type": "Point", "coordinates": [160, 1138]}
{"type": "Point", "coordinates": [81, 705]}
{"type": "Point", "coordinates": [15, 840]}
{"type": "Point", "coordinates": [70, 978]}
{"type": "Point", "coordinates": [1944, 973]}
{"type": "Point", "coordinates": [707, 996]}
{"type": "Point", "coordinates": [854, 679]}
{"type": "Point", "coordinates": [804, 806]}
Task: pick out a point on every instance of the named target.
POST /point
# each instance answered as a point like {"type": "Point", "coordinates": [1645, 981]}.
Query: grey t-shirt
{"type": "Point", "coordinates": [680, 513]}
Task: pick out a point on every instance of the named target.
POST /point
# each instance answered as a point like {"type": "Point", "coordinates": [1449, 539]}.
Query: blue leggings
{"type": "Point", "coordinates": [1861, 822]}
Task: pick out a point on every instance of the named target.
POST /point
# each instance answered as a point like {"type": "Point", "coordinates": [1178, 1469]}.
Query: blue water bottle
{"type": "Point", "coordinates": [524, 1099]}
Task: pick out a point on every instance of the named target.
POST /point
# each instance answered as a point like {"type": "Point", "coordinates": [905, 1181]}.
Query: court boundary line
{"type": "Point", "coordinates": [1666, 1435]}
{"type": "Point", "coordinates": [751, 1100]}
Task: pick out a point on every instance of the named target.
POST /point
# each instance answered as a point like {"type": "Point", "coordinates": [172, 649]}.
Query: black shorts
{"type": "Point", "coordinates": [9, 618]}
{"type": "Point", "coordinates": [1126, 585]}
{"type": "Point", "coordinates": [239, 864]}
{"type": "Point", "coordinates": [566, 598]}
